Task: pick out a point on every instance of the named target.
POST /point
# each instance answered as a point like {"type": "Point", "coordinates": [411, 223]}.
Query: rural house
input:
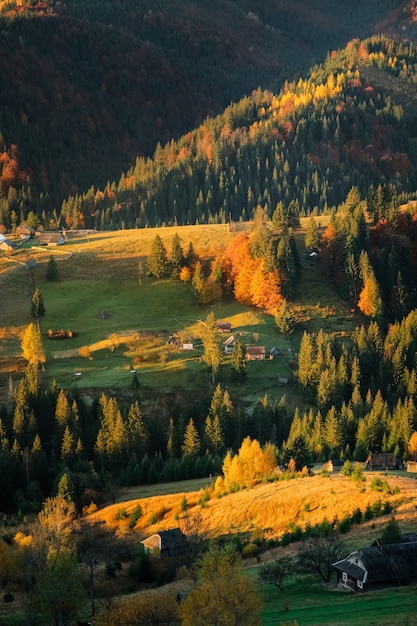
{"type": "Point", "coordinates": [381, 461]}
{"type": "Point", "coordinates": [224, 327]}
{"type": "Point", "coordinates": [255, 353]}
{"type": "Point", "coordinates": [378, 567]}
{"type": "Point", "coordinates": [6, 245]}
{"type": "Point", "coordinates": [49, 238]}
{"type": "Point", "coordinates": [171, 542]}
{"type": "Point", "coordinates": [333, 465]}
{"type": "Point", "coordinates": [229, 344]}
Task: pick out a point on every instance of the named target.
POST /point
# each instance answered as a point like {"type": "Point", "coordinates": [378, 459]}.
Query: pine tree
{"type": "Point", "coordinates": [312, 236]}
{"type": "Point", "coordinates": [284, 319]}
{"type": "Point", "coordinates": [177, 256]}
{"type": "Point", "coordinates": [191, 444]}
{"type": "Point", "coordinates": [238, 360]}
{"type": "Point", "coordinates": [158, 264]}
{"type": "Point", "coordinates": [212, 356]}
{"type": "Point", "coordinates": [38, 307]}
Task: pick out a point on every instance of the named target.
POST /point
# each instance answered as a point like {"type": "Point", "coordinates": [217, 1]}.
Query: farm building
{"type": "Point", "coordinates": [229, 344]}
{"type": "Point", "coordinates": [378, 567]}
{"type": "Point", "coordinates": [224, 327]}
{"type": "Point", "coordinates": [6, 245]}
{"type": "Point", "coordinates": [24, 232]}
{"type": "Point", "coordinates": [165, 543]}
{"type": "Point", "coordinates": [333, 465]}
{"type": "Point", "coordinates": [49, 238]}
{"type": "Point", "coordinates": [411, 466]}
{"type": "Point", "coordinates": [381, 461]}
{"type": "Point", "coordinates": [255, 353]}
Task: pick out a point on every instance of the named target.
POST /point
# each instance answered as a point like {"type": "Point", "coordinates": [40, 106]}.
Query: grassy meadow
{"type": "Point", "coordinates": [105, 273]}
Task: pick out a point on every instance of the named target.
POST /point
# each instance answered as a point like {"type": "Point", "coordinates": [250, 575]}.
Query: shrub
{"type": "Point", "coordinates": [135, 515]}
{"type": "Point", "coordinates": [251, 550]}
{"type": "Point", "coordinates": [345, 524]}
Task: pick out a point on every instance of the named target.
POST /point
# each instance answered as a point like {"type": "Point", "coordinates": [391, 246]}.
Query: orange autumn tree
{"type": "Point", "coordinates": [266, 289]}
{"type": "Point", "coordinates": [250, 465]}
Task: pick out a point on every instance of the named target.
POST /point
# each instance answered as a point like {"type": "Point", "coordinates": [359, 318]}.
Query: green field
{"type": "Point", "coordinates": [309, 603]}
{"type": "Point", "coordinates": [104, 273]}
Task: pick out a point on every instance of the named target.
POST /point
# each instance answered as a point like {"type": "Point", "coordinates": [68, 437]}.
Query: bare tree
{"type": "Point", "coordinates": [275, 573]}
{"type": "Point", "coordinates": [195, 529]}
{"type": "Point", "coordinates": [317, 555]}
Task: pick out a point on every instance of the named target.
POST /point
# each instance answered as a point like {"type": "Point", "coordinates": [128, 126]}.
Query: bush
{"type": "Point", "coordinates": [251, 550]}
{"type": "Point", "coordinates": [345, 524]}
{"type": "Point", "coordinates": [135, 515]}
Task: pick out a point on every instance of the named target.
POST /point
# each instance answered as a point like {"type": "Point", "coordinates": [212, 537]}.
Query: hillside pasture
{"type": "Point", "coordinates": [105, 273]}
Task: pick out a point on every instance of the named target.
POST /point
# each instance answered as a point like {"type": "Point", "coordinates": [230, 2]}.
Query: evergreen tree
{"type": "Point", "coordinates": [158, 264]}
{"type": "Point", "coordinates": [312, 236]}
{"type": "Point", "coordinates": [38, 307]}
{"type": "Point", "coordinates": [238, 360]}
{"type": "Point", "coordinates": [212, 356]}
{"type": "Point", "coordinates": [191, 444]}
{"type": "Point", "coordinates": [177, 256]}
{"type": "Point", "coordinates": [284, 319]}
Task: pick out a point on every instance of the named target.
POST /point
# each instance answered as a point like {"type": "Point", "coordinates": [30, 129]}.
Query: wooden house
{"type": "Point", "coordinates": [224, 327]}
{"type": "Point", "coordinates": [6, 245]}
{"type": "Point", "coordinates": [165, 543]}
{"type": "Point", "coordinates": [46, 238]}
{"type": "Point", "coordinates": [255, 353]}
{"type": "Point", "coordinates": [333, 465]}
{"type": "Point", "coordinates": [381, 461]}
{"type": "Point", "coordinates": [229, 344]}
{"type": "Point", "coordinates": [377, 567]}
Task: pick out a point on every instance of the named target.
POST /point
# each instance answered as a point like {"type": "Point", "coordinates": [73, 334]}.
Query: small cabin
{"type": "Point", "coordinates": [165, 543]}
{"type": "Point", "coordinates": [255, 353]}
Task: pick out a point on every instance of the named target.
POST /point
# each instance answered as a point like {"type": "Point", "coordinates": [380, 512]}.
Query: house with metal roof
{"type": "Point", "coordinates": [378, 566]}
{"type": "Point", "coordinates": [164, 543]}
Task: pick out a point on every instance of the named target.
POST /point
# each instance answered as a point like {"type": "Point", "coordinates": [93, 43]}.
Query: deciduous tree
{"type": "Point", "coordinates": [222, 594]}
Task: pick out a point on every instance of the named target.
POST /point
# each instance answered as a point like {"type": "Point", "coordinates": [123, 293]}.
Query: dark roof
{"type": "Point", "coordinates": [172, 538]}
{"type": "Point", "coordinates": [393, 562]}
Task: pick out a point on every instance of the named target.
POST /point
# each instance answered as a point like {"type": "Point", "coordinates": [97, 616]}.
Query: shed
{"type": "Point", "coordinates": [50, 238]}
{"type": "Point", "coordinates": [381, 461]}
{"type": "Point", "coordinates": [255, 353]}
{"type": "Point", "coordinates": [229, 344]}
{"type": "Point", "coordinates": [24, 232]}
{"type": "Point", "coordinates": [6, 245]}
{"type": "Point", "coordinates": [333, 465]}
{"type": "Point", "coordinates": [188, 346]}
{"type": "Point", "coordinates": [224, 327]}
{"type": "Point", "coordinates": [274, 353]}
{"type": "Point", "coordinates": [284, 380]}
{"type": "Point", "coordinates": [165, 543]}
{"type": "Point", "coordinates": [411, 466]}
{"type": "Point", "coordinates": [377, 567]}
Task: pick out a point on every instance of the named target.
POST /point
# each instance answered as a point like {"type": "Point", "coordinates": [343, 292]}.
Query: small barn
{"type": "Point", "coordinates": [333, 465]}
{"type": "Point", "coordinates": [381, 461]}
{"type": "Point", "coordinates": [255, 353]}
{"type": "Point", "coordinates": [165, 543]}
{"type": "Point", "coordinates": [229, 344]}
{"type": "Point", "coordinates": [224, 327]}
{"type": "Point", "coordinates": [412, 466]}
{"type": "Point", "coordinates": [49, 238]}
{"type": "Point", "coordinates": [6, 245]}
{"type": "Point", "coordinates": [378, 567]}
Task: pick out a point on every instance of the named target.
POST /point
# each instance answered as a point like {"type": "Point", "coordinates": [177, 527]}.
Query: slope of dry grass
{"type": "Point", "coordinates": [270, 508]}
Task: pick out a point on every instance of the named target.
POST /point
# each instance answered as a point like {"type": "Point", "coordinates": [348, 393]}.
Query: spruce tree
{"type": "Point", "coordinates": [158, 264]}
{"type": "Point", "coordinates": [38, 307]}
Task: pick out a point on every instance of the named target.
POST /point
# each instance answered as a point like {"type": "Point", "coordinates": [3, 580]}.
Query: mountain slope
{"type": "Point", "coordinates": [84, 89]}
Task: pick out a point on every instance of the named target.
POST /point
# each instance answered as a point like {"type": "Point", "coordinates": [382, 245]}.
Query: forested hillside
{"type": "Point", "coordinates": [85, 91]}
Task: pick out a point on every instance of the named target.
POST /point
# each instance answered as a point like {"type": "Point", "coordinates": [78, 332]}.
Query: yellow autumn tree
{"type": "Point", "coordinates": [370, 302]}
